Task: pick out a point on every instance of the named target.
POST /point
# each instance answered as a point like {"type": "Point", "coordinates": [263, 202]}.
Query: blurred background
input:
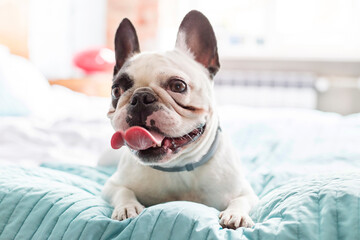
{"type": "Point", "coordinates": [273, 53]}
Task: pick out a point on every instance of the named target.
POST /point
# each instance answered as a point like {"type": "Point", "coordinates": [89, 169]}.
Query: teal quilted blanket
{"type": "Point", "coordinates": [306, 174]}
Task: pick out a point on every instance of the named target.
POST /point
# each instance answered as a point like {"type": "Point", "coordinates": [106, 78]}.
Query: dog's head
{"type": "Point", "coordinates": [167, 95]}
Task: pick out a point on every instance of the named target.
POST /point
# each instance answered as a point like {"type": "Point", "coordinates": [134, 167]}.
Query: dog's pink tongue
{"type": "Point", "coordinates": [136, 138]}
{"type": "Point", "coordinates": [139, 138]}
{"type": "Point", "coordinates": [117, 140]}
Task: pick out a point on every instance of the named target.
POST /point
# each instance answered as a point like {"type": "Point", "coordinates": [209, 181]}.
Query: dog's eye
{"type": "Point", "coordinates": [177, 85]}
{"type": "Point", "coordinates": [116, 92]}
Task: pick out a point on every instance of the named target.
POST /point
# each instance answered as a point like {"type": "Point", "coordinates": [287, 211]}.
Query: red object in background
{"type": "Point", "coordinates": [95, 60]}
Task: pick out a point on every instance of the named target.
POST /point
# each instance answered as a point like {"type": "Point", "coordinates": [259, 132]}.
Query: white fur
{"type": "Point", "coordinates": [219, 183]}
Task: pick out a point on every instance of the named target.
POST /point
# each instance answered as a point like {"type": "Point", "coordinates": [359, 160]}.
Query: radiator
{"type": "Point", "coordinates": [266, 89]}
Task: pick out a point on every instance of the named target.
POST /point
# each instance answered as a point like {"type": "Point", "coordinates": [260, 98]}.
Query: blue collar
{"type": "Point", "coordinates": [191, 166]}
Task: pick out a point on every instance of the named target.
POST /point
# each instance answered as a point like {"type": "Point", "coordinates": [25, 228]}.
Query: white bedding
{"type": "Point", "coordinates": [69, 127]}
{"type": "Point", "coordinates": [73, 128]}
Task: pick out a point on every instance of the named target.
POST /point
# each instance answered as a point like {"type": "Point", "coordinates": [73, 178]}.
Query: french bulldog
{"type": "Point", "coordinates": [166, 123]}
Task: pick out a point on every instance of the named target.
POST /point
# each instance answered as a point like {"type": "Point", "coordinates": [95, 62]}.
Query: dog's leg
{"type": "Point", "coordinates": [123, 200]}
{"type": "Point", "coordinates": [237, 213]}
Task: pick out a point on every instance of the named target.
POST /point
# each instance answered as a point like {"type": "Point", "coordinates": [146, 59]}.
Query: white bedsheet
{"type": "Point", "coordinates": [73, 128]}
{"type": "Point", "coordinates": [69, 127]}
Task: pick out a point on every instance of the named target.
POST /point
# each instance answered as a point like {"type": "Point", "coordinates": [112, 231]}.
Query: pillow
{"type": "Point", "coordinates": [9, 105]}
{"type": "Point", "coordinates": [23, 89]}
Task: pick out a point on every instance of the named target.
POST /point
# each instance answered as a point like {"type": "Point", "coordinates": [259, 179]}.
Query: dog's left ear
{"type": "Point", "coordinates": [197, 36]}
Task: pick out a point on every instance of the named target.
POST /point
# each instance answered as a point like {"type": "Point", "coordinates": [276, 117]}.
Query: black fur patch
{"type": "Point", "coordinates": [125, 82]}
{"type": "Point", "coordinates": [137, 115]}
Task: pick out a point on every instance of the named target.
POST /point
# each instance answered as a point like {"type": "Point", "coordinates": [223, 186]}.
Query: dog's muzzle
{"type": "Point", "coordinates": [141, 105]}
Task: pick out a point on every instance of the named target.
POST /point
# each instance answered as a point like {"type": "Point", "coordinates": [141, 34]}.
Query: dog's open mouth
{"type": "Point", "coordinates": [150, 142]}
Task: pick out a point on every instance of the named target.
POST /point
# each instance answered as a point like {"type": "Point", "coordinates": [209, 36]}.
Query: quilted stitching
{"type": "Point", "coordinates": [156, 221]}
{"type": "Point", "coordinates": [3, 231]}
{"type": "Point", "coordinates": [283, 212]}
{"type": "Point", "coordinates": [174, 222]}
{"type": "Point", "coordinates": [47, 212]}
{"type": "Point", "coordinates": [28, 214]}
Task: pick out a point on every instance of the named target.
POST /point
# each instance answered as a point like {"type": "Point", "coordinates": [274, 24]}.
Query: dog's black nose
{"type": "Point", "coordinates": [142, 98]}
{"type": "Point", "coordinates": [141, 105]}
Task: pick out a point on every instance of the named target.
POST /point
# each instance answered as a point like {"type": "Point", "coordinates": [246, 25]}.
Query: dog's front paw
{"type": "Point", "coordinates": [123, 212]}
{"type": "Point", "coordinates": [233, 219]}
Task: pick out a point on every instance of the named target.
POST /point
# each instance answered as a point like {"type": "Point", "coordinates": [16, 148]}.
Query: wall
{"type": "Point", "coordinates": [14, 35]}
{"type": "Point", "coordinates": [142, 13]}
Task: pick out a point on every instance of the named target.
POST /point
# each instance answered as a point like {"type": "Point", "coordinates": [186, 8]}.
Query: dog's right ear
{"type": "Point", "coordinates": [126, 43]}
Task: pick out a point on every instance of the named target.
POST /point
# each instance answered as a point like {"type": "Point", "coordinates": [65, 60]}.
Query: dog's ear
{"type": "Point", "coordinates": [197, 36]}
{"type": "Point", "coordinates": [126, 43]}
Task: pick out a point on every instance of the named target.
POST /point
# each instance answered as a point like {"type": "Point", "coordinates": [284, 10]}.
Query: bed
{"type": "Point", "coordinates": [303, 164]}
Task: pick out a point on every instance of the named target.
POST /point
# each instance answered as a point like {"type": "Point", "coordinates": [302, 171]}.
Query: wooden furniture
{"type": "Point", "coordinates": [94, 85]}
